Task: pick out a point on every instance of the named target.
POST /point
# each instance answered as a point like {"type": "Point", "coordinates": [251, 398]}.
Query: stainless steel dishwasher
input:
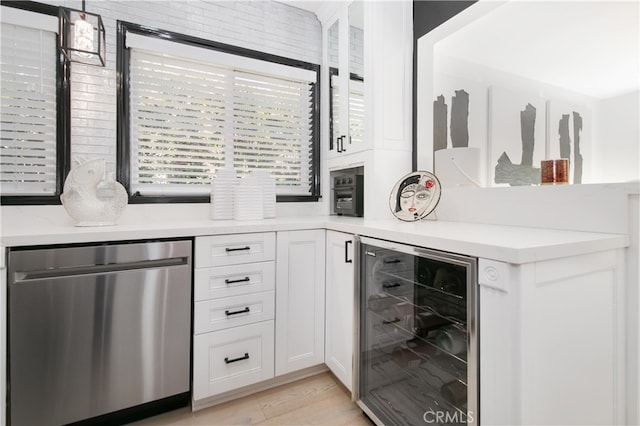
{"type": "Point", "coordinates": [97, 329]}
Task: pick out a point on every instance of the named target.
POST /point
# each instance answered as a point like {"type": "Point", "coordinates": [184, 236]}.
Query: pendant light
{"type": "Point", "coordinates": [82, 36]}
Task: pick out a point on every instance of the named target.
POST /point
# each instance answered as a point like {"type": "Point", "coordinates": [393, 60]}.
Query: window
{"type": "Point", "coordinates": [192, 106]}
{"type": "Point", "coordinates": [32, 153]}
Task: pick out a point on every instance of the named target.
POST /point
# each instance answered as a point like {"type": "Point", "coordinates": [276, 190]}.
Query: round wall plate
{"type": "Point", "coordinates": [414, 196]}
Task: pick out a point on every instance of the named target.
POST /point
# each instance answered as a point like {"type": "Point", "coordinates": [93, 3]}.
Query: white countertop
{"type": "Point", "coordinates": [46, 225]}
{"type": "Point", "coordinates": [502, 243]}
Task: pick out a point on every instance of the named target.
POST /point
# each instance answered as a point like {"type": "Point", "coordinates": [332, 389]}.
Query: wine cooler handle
{"type": "Point", "coordinates": [357, 306]}
{"type": "Point", "coordinates": [346, 251]}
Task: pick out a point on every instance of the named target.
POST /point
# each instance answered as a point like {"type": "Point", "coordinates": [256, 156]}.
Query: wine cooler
{"type": "Point", "coordinates": [417, 354]}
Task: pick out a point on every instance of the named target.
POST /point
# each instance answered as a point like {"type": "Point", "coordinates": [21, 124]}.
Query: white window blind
{"type": "Point", "coordinates": [189, 118]}
{"type": "Point", "coordinates": [272, 130]}
{"type": "Point", "coordinates": [28, 112]}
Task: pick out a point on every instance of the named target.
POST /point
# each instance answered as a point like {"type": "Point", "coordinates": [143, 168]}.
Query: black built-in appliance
{"type": "Point", "coordinates": [348, 193]}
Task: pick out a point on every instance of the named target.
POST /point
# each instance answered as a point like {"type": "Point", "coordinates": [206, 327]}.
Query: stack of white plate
{"type": "Point", "coordinates": [222, 194]}
{"type": "Point", "coordinates": [248, 199]}
{"type": "Point", "coordinates": [268, 191]}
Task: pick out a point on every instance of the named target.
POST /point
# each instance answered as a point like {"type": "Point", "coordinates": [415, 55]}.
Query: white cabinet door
{"type": "Point", "coordinates": [552, 341]}
{"type": "Point", "coordinates": [299, 300]}
{"type": "Point", "coordinates": [339, 310]}
{"type": "Point", "coordinates": [344, 53]}
{"type": "Point", "coordinates": [229, 359]}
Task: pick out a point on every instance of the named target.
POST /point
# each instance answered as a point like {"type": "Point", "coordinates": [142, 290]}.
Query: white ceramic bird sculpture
{"type": "Point", "coordinates": [90, 198]}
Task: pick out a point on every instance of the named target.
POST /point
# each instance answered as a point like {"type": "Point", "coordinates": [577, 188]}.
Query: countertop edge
{"type": "Point", "coordinates": [600, 242]}
{"type": "Point", "coordinates": [432, 235]}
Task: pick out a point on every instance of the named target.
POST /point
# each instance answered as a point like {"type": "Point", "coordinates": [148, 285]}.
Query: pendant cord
{"type": "Point", "coordinates": [83, 5]}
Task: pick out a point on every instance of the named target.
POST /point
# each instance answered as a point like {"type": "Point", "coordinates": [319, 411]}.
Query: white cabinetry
{"type": "Point", "coordinates": [234, 249]}
{"type": "Point", "coordinates": [552, 341]}
{"type": "Point", "coordinates": [370, 44]}
{"type": "Point", "coordinates": [339, 309]}
{"type": "Point", "coordinates": [248, 326]}
{"type": "Point", "coordinates": [299, 300]}
{"type": "Point", "coordinates": [344, 41]}
{"type": "Point", "coordinates": [234, 304]}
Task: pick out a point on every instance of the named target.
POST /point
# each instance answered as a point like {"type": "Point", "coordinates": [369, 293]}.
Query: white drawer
{"type": "Point", "coordinates": [227, 281]}
{"type": "Point", "coordinates": [229, 359]}
{"type": "Point", "coordinates": [218, 314]}
{"type": "Point", "coordinates": [219, 250]}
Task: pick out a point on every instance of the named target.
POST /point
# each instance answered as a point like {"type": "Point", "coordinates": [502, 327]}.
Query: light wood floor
{"type": "Point", "coordinates": [317, 400]}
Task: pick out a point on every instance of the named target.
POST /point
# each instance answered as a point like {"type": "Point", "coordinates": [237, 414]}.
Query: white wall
{"type": "Point", "coordinates": [616, 155]}
{"type": "Point", "coordinates": [265, 25]}
{"type": "Point", "coordinates": [611, 137]}
{"type": "Point", "coordinates": [471, 49]}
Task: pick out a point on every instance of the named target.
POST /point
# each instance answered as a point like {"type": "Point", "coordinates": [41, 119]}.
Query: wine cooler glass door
{"type": "Point", "coordinates": [417, 357]}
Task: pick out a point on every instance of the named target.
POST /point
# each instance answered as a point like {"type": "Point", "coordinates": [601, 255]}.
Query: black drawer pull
{"type": "Point", "coordinates": [229, 361]}
{"type": "Point", "coordinates": [389, 285]}
{"type": "Point", "coordinates": [242, 280]}
{"type": "Point", "coordinates": [391, 321]}
{"type": "Point", "coordinates": [392, 261]}
{"type": "Point", "coordinates": [237, 249]}
{"type": "Point", "coordinates": [244, 311]}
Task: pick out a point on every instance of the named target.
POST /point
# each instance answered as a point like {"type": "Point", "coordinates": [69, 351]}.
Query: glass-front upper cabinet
{"type": "Point", "coordinates": [356, 74]}
{"type": "Point", "coordinates": [337, 121]}
{"type": "Point", "coordinates": [345, 60]}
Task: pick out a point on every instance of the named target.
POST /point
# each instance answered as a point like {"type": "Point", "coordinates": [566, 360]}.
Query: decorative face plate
{"type": "Point", "coordinates": [414, 196]}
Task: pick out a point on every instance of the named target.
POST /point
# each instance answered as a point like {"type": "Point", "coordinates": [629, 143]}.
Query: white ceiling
{"type": "Point", "coordinates": [590, 47]}
{"type": "Point", "coordinates": [587, 46]}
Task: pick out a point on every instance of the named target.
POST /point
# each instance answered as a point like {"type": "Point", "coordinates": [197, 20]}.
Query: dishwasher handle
{"type": "Point", "coordinates": [24, 276]}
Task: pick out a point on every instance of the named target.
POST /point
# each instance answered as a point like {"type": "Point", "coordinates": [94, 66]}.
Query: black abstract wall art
{"type": "Point", "coordinates": [460, 119]}
{"type": "Point", "coordinates": [568, 136]}
{"type": "Point", "coordinates": [459, 126]}
{"type": "Point", "coordinates": [440, 118]}
{"type": "Point", "coordinates": [577, 156]}
{"type": "Point", "coordinates": [524, 173]}
{"type": "Point", "coordinates": [516, 137]}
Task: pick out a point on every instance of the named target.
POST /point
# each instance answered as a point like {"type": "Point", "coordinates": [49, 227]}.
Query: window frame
{"type": "Point", "coordinates": [123, 149]}
{"type": "Point", "coordinates": [63, 117]}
